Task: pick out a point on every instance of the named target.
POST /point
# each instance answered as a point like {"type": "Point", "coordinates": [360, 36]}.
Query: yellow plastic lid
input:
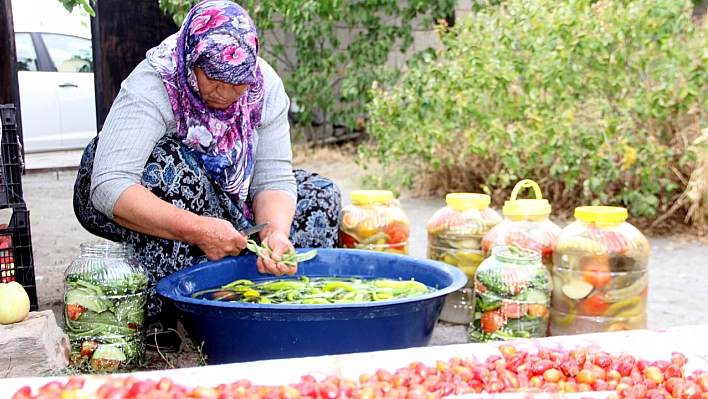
{"type": "Point", "coordinates": [468, 200]}
{"type": "Point", "coordinates": [526, 207]}
{"type": "Point", "coordinates": [601, 214]}
{"type": "Point", "coordinates": [371, 196]}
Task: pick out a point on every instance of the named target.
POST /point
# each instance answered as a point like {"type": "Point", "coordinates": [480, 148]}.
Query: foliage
{"type": "Point", "coordinates": [596, 101]}
{"type": "Point", "coordinates": [329, 78]}
{"type": "Point", "coordinates": [87, 5]}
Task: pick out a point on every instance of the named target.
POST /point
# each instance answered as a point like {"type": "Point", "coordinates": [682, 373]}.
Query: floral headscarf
{"type": "Point", "coordinates": [219, 37]}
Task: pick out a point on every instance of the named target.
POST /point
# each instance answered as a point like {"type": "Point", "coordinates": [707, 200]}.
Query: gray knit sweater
{"type": "Point", "coordinates": [141, 114]}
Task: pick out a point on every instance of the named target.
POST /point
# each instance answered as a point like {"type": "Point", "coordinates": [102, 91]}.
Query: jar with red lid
{"type": "Point", "coordinates": [600, 274]}
{"type": "Point", "coordinates": [455, 234]}
{"type": "Point", "coordinates": [374, 221]}
{"type": "Point", "coordinates": [526, 223]}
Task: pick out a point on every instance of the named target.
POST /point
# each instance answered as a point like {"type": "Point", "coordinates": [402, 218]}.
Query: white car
{"type": "Point", "coordinates": [57, 98]}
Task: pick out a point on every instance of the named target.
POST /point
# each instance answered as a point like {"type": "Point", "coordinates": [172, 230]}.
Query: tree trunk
{"type": "Point", "coordinates": [122, 32]}
{"type": "Point", "coordinates": [9, 88]}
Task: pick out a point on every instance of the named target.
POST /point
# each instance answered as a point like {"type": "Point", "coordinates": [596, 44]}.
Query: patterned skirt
{"type": "Point", "coordinates": [176, 175]}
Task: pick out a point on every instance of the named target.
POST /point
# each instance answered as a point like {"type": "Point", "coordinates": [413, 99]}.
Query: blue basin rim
{"type": "Point", "coordinates": [329, 262]}
{"type": "Point", "coordinates": [237, 331]}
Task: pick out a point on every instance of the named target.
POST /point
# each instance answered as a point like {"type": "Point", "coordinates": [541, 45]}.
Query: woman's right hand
{"type": "Point", "coordinates": [218, 238]}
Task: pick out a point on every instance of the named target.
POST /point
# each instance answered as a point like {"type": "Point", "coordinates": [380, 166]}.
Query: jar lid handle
{"type": "Point", "coordinates": [525, 184]}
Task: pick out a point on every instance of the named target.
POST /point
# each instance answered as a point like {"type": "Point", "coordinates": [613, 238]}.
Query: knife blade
{"type": "Point", "coordinates": [255, 229]}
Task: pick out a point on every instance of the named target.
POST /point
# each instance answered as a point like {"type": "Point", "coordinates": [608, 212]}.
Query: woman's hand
{"type": "Point", "coordinates": [278, 242]}
{"type": "Point", "coordinates": [140, 210]}
{"type": "Point", "coordinates": [218, 238]}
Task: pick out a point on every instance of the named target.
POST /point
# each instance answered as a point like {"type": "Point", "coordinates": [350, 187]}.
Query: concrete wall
{"type": "Point", "coordinates": [423, 38]}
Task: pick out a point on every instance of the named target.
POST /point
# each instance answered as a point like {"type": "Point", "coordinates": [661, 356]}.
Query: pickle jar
{"type": "Point", "coordinates": [526, 223]}
{"type": "Point", "coordinates": [455, 234]}
{"type": "Point", "coordinates": [104, 306]}
{"type": "Point", "coordinates": [600, 274]}
{"type": "Point", "coordinates": [374, 221]}
{"type": "Point", "coordinates": [512, 290]}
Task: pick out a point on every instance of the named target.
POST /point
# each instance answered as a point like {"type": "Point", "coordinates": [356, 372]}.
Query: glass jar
{"type": "Point", "coordinates": [526, 223]}
{"type": "Point", "coordinates": [455, 236]}
{"type": "Point", "coordinates": [600, 274]}
{"type": "Point", "coordinates": [374, 221]}
{"type": "Point", "coordinates": [512, 291]}
{"type": "Point", "coordinates": [104, 306]}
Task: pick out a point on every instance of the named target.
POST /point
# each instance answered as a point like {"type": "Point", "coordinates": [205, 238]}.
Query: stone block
{"type": "Point", "coordinates": [33, 347]}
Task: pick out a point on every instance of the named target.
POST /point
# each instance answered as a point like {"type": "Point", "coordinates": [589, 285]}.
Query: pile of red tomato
{"type": "Point", "coordinates": [547, 370]}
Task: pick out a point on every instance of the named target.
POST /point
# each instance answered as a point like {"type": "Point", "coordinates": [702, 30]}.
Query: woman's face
{"type": "Point", "coordinates": [218, 94]}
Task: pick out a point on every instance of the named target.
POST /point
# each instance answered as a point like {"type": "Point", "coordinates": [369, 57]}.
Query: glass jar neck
{"type": "Point", "coordinates": [517, 256]}
{"type": "Point", "coordinates": [105, 249]}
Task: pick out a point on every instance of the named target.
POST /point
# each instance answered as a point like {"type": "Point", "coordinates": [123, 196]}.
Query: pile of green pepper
{"type": "Point", "coordinates": [315, 291]}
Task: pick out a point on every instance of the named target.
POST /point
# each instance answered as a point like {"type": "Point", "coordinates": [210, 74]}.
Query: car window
{"type": "Point", "coordinates": [69, 53]}
{"type": "Point", "coordinates": [26, 56]}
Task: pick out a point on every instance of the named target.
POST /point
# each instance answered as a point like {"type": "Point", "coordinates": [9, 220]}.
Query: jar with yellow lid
{"type": "Point", "coordinates": [526, 223]}
{"type": "Point", "coordinates": [600, 274]}
{"type": "Point", "coordinates": [374, 221]}
{"type": "Point", "coordinates": [455, 234]}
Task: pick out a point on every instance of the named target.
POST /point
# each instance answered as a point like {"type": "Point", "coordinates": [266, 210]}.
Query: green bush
{"type": "Point", "coordinates": [596, 101]}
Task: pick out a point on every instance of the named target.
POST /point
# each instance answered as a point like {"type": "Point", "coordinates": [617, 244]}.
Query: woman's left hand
{"type": "Point", "coordinates": [278, 242]}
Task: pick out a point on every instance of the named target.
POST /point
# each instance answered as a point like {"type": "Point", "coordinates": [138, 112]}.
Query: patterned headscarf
{"type": "Point", "coordinates": [219, 37]}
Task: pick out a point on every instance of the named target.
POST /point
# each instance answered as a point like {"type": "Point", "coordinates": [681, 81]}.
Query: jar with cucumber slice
{"type": "Point", "coordinates": [600, 274]}
{"type": "Point", "coordinates": [105, 292]}
{"type": "Point", "coordinates": [512, 291]}
{"type": "Point", "coordinates": [455, 234]}
{"type": "Point", "coordinates": [374, 221]}
{"type": "Point", "coordinates": [526, 223]}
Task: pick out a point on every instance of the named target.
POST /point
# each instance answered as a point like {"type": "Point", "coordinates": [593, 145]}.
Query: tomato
{"type": "Point", "coordinates": [537, 310]}
{"type": "Point", "coordinates": [525, 241]}
{"type": "Point", "coordinates": [347, 241]}
{"type": "Point", "coordinates": [74, 311]}
{"type": "Point", "coordinates": [514, 279]}
{"type": "Point", "coordinates": [614, 242]}
{"type": "Point", "coordinates": [593, 305]}
{"type": "Point", "coordinates": [488, 240]}
{"type": "Point", "coordinates": [492, 320]}
{"type": "Point", "coordinates": [399, 236]}
{"type": "Point", "coordinates": [512, 309]}
{"type": "Point", "coordinates": [595, 269]}
{"type": "Point", "coordinates": [479, 286]}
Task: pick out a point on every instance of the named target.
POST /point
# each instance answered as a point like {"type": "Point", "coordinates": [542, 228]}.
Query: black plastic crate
{"type": "Point", "coordinates": [16, 260]}
{"type": "Point", "coordinates": [11, 157]}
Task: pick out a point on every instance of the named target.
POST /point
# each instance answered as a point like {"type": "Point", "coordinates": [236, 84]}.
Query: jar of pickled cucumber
{"type": "Point", "coordinates": [526, 223]}
{"type": "Point", "coordinates": [104, 306]}
{"type": "Point", "coordinates": [512, 291]}
{"type": "Point", "coordinates": [455, 234]}
{"type": "Point", "coordinates": [374, 221]}
{"type": "Point", "coordinates": [600, 274]}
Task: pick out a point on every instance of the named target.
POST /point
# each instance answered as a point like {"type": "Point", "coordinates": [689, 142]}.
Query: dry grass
{"type": "Point", "coordinates": [303, 154]}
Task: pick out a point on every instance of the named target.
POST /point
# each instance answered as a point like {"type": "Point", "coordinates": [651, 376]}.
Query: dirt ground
{"type": "Point", "coordinates": [678, 266]}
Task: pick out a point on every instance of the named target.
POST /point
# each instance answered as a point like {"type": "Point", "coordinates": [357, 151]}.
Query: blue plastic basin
{"type": "Point", "coordinates": [239, 332]}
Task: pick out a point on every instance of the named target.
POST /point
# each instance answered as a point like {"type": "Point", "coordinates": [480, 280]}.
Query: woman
{"type": "Point", "coordinates": [196, 148]}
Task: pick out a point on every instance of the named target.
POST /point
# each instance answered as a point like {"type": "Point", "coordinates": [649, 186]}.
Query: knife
{"type": "Point", "coordinates": [253, 230]}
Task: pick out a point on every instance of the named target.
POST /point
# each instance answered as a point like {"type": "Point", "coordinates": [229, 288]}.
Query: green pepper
{"type": "Point", "coordinates": [337, 284]}
{"type": "Point", "coordinates": [238, 282]}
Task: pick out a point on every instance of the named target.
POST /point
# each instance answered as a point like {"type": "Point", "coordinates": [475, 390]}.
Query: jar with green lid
{"type": "Point", "coordinates": [526, 223]}
{"type": "Point", "coordinates": [104, 306]}
{"type": "Point", "coordinates": [374, 221]}
{"type": "Point", "coordinates": [455, 234]}
{"type": "Point", "coordinates": [512, 294]}
{"type": "Point", "coordinates": [600, 274]}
